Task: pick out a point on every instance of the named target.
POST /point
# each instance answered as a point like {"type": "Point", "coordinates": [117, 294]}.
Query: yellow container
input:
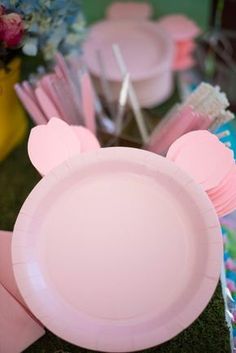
{"type": "Point", "coordinates": [13, 122]}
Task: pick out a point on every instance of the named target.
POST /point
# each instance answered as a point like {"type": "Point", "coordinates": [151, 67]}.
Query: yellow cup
{"type": "Point", "coordinates": [13, 122]}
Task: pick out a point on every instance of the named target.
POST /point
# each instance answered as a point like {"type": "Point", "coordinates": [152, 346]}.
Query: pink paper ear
{"type": "Point", "coordinates": [203, 157]}
{"type": "Point", "coordinates": [51, 144]}
{"type": "Point", "coordinates": [179, 27]}
{"type": "Point", "coordinates": [129, 11]}
{"type": "Point", "coordinates": [210, 164]}
{"type": "Point", "coordinates": [88, 141]}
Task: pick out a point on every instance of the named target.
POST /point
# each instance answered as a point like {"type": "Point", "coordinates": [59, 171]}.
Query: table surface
{"type": "Point", "coordinates": [208, 334]}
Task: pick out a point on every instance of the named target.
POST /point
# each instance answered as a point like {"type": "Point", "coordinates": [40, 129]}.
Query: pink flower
{"type": "Point", "coordinates": [2, 10]}
{"type": "Point", "coordinates": [11, 29]}
{"type": "Point", "coordinates": [230, 265]}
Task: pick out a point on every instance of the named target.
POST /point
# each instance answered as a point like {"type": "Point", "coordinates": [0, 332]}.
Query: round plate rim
{"type": "Point", "coordinates": [150, 160]}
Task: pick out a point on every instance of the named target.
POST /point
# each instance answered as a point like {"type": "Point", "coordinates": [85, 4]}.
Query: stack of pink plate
{"type": "Point", "coordinates": [183, 31]}
{"type": "Point", "coordinates": [211, 164]}
{"type": "Point", "coordinates": [147, 52]}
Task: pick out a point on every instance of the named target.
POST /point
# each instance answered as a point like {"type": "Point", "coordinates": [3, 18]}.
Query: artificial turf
{"type": "Point", "coordinates": [208, 334]}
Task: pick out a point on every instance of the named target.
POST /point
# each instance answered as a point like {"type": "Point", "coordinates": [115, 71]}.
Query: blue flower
{"type": "Point", "coordinates": [51, 25]}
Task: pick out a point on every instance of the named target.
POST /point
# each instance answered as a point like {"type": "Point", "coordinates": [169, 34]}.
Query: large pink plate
{"type": "Point", "coordinates": [147, 49]}
{"type": "Point", "coordinates": [117, 250]}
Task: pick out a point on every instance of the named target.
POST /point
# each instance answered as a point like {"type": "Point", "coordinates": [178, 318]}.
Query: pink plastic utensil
{"type": "Point", "coordinates": [30, 105]}
{"type": "Point", "coordinates": [61, 63]}
{"type": "Point", "coordinates": [51, 83]}
{"type": "Point", "coordinates": [49, 145]}
{"type": "Point", "coordinates": [17, 329]}
{"type": "Point", "coordinates": [63, 91]}
{"type": "Point", "coordinates": [29, 90]}
{"type": "Point", "coordinates": [90, 246]}
{"type": "Point", "coordinates": [58, 71]}
{"type": "Point", "coordinates": [87, 98]}
{"type": "Point", "coordinates": [182, 121]}
{"type": "Point", "coordinates": [46, 82]}
{"type": "Point", "coordinates": [46, 104]}
{"type": "Point", "coordinates": [71, 88]}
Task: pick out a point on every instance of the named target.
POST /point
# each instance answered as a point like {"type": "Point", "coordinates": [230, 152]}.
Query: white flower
{"type": "Point", "coordinates": [30, 46]}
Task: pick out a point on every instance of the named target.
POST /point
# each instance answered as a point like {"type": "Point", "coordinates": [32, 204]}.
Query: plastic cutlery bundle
{"type": "Point", "coordinates": [205, 108]}
{"type": "Point", "coordinates": [66, 93]}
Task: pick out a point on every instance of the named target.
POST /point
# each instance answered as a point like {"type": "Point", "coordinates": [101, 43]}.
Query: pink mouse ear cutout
{"type": "Point", "coordinates": [129, 11]}
{"type": "Point", "coordinates": [51, 144]}
{"type": "Point", "coordinates": [211, 164]}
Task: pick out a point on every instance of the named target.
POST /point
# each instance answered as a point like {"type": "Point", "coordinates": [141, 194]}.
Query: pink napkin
{"type": "Point", "coordinates": [7, 278]}
{"type": "Point", "coordinates": [17, 329]}
{"type": "Point", "coordinates": [15, 319]}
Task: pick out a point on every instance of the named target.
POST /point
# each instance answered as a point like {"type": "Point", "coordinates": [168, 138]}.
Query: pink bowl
{"type": "Point", "coordinates": [147, 51]}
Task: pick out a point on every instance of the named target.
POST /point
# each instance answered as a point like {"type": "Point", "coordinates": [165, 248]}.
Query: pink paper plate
{"type": "Point", "coordinates": [148, 54]}
{"type": "Point", "coordinates": [98, 242]}
{"type": "Point", "coordinates": [146, 48]}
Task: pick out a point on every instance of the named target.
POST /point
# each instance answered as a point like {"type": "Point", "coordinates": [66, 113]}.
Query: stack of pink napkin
{"type": "Point", "coordinates": [18, 328]}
